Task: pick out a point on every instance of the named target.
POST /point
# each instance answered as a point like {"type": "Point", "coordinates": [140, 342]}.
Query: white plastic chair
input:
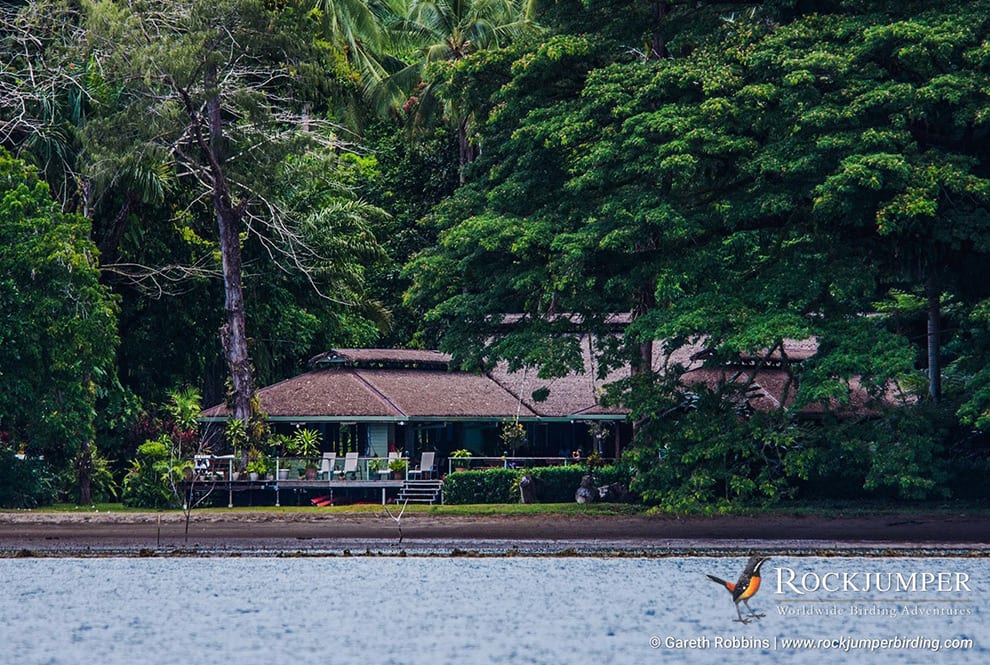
{"type": "Point", "coordinates": [386, 473]}
{"type": "Point", "coordinates": [425, 465]}
{"type": "Point", "coordinates": [327, 465]}
{"type": "Point", "coordinates": [350, 465]}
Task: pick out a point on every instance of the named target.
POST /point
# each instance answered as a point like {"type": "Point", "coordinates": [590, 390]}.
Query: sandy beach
{"type": "Point", "coordinates": [316, 531]}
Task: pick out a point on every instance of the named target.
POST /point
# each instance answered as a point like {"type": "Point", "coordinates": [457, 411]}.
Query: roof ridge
{"type": "Point", "coordinates": [355, 372]}
{"type": "Point", "coordinates": [521, 402]}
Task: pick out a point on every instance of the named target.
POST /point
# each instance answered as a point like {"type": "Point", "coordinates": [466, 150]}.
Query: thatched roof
{"type": "Point", "coordinates": [389, 384]}
{"type": "Point", "coordinates": [399, 384]}
{"type": "Point", "coordinates": [578, 393]}
{"type": "Point", "coordinates": [769, 384]}
{"type": "Point", "coordinates": [323, 393]}
{"type": "Point", "coordinates": [574, 395]}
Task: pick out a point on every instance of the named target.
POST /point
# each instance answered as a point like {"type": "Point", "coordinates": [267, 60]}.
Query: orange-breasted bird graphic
{"type": "Point", "coordinates": [747, 585]}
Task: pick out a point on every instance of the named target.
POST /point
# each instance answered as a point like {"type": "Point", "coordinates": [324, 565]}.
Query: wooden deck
{"type": "Point", "coordinates": [215, 474]}
{"type": "Point", "coordinates": [328, 487]}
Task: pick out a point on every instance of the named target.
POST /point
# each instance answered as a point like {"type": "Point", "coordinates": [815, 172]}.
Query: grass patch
{"type": "Point", "coordinates": [94, 508]}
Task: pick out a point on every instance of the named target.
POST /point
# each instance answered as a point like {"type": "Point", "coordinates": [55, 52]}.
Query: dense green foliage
{"type": "Point", "coordinates": [780, 177]}
{"type": "Point", "coordinates": [482, 486]}
{"type": "Point", "coordinates": [57, 322]}
{"type": "Point", "coordinates": [731, 175]}
{"type": "Point", "coordinates": [553, 484]}
{"type": "Point", "coordinates": [25, 483]}
{"type": "Point", "coordinates": [155, 478]}
{"type": "Point", "coordinates": [146, 484]}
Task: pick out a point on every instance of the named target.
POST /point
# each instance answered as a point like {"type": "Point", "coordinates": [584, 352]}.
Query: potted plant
{"type": "Point", "coordinates": [398, 468]}
{"type": "Point", "coordinates": [513, 435]}
{"type": "Point", "coordinates": [461, 461]}
{"type": "Point", "coordinates": [375, 465]}
{"type": "Point", "coordinates": [256, 468]}
{"type": "Point", "coordinates": [306, 444]}
{"type": "Point", "coordinates": [280, 446]}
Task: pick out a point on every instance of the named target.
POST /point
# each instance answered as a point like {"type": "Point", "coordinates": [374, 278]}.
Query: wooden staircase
{"type": "Point", "coordinates": [421, 491]}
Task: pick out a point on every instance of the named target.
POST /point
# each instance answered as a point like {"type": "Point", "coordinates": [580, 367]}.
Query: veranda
{"type": "Point", "coordinates": [343, 478]}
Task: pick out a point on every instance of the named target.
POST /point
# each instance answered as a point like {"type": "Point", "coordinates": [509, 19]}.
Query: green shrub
{"type": "Point", "coordinates": [709, 457]}
{"type": "Point", "coordinates": [103, 486]}
{"type": "Point", "coordinates": [146, 484]}
{"type": "Point", "coordinates": [554, 484]}
{"type": "Point", "coordinates": [26, 483]}
{"type": "Point", "coordinates": [485, 486]}
{"type": "Point", "coordinates": [617, 473]}
{"type": "Point", "coordinates": [557, 484]}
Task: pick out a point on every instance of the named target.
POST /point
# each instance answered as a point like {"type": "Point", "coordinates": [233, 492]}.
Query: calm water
{"type": "Point", "coordinates": [128, 611]}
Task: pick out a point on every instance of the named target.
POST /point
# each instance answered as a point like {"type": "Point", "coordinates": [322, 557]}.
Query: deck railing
{"type": "Point", "coordinates": [286, 469]}
{"type": "Point", "coordinates": [368, 468]}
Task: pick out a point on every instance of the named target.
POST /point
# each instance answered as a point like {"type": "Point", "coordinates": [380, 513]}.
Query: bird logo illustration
{"type": "Point", "coordinates": [746, 587]}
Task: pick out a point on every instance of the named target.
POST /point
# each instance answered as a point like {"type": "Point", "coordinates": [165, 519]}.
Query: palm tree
{"type": "Point", "coordinates": [360, 29]}
{"type": "Point", "coordinates": [358, 26]}
{"type": "Point", "coordinates": [448, 31]}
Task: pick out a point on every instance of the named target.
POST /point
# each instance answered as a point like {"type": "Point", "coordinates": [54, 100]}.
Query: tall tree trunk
{"type": "Point", "coordinates": [465, 149]}
{"type": "Point", "coordinates": [644, 363]}
{"type": "Point", "coordinates": [109, 241]}
{"type": "Point", "coordinates": [84, 471]}
{"type": "Point", "coordinates": [647, 301]}
{"type": "Point", "coordinates": [658, 44]}
{"type": "Point", "coordinates": [233, 334]}
{"type": "Point", "coordinates": [934, 296]}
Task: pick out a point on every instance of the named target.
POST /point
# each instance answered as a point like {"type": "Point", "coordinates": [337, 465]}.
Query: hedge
{"type": "Point", "coordinates": [554, 484]}
{"type": "Point", "coordinates": [485, 486]}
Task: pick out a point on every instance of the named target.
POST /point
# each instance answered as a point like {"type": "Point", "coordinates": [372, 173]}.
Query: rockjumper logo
{"type": "Point", "coordinates": [745, 588]}
{"type": "Point", "coordinates": [790, 581]}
